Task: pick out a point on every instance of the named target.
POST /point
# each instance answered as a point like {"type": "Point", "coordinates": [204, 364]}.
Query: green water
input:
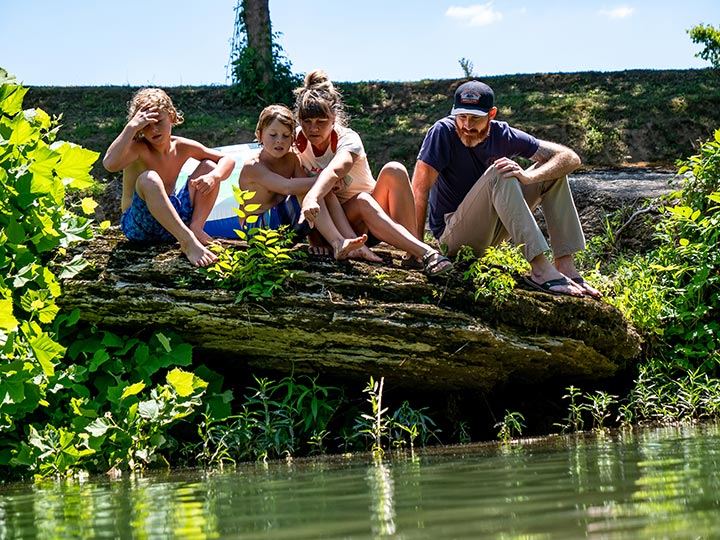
{"type": "Point", "coordinates": [662, 483]}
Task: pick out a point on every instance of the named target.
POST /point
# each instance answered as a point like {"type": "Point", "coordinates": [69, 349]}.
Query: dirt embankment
{"type": "Point", "coordinates": [639, 118]}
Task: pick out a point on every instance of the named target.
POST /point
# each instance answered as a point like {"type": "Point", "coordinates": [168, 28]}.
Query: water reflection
{"type": "Point", "coordinates": [381, 487]}
{"type": "Point", "coordinates": [648, 484]}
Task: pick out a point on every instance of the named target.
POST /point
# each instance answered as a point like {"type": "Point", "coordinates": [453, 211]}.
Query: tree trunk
{"type": "Point", "coordinates": [259, 34]}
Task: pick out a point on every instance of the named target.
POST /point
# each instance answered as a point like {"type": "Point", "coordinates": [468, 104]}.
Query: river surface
{"type": "Point", "coordinates": [659, 483]}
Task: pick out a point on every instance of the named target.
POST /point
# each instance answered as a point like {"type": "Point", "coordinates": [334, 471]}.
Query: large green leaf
{"type": "Point", "coordinates": [42, 163]}
{"type": "Point", "coordinates": [7, 319]}
{"type": "Point", "coordinates": [149, 410]}
{"type": "Point", "coordinates": [46, 350]}
{"type": "Point", "coordinates": [11, 96]}
{"type": "Point", "coordinates": [98, 427]}
{"type": "Point", "coordinates": [133, 390]}
{"type": "Point", "coordinates": [181, 381]}
{"type": "Point", "coordinates": [75, 164]}
{"type": "Point", "coordinates": [73, 267]}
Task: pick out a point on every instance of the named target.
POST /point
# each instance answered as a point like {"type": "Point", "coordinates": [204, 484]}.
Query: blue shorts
{"type": "Point", "coordinates": [139, 225]}
{"type": "Point", "coordinates": [285, 213]}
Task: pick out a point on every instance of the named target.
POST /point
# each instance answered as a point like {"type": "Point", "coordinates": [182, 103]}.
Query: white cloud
{"type": "Point", "coordinates": [619, 12]}
{"type": "Point", "coordinates": [477, 15]}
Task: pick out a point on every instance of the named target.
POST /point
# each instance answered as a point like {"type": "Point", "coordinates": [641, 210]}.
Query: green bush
{"type": "Point", "coordinates": [72, 399]}
{"type": "Point", "coordinates": [36, 171]}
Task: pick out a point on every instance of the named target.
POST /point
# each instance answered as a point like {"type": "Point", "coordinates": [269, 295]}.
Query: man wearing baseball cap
{"type": "Point", "coordinates": [479, 195]}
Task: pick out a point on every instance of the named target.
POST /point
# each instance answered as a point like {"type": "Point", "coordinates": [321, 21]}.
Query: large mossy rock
{"type": "Point", "coordinates": [352, 319]}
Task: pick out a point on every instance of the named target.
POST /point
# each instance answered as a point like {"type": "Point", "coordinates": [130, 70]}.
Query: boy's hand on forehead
{"type": "Point", "coordinates": [149, 114]}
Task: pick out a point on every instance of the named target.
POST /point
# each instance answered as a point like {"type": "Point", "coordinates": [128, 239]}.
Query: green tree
{"type": "Point", "coordinates": [261, 73]}
{"type": "Point", "coordinates": [708, 36]}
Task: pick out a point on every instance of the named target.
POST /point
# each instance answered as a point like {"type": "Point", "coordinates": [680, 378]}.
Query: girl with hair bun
{"type": "Point", "coordinates": [335, 155]}
{"type": "Point", "coordinates": [278, 181]}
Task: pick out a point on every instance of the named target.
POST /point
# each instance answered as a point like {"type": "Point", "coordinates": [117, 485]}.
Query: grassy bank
{"type": "Point", "coordinates": [627, 117]}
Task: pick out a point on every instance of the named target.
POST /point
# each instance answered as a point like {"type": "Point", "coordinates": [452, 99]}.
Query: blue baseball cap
{"type": "Point", "coordinates": [473, 97]}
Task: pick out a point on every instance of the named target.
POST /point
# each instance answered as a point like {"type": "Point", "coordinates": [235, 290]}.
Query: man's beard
{"type": "Point", "coordinates": [473, 137]}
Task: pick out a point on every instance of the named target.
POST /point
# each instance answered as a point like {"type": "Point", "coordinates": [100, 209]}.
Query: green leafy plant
{"type": "Point", "coordinates": [276, 419]}
{"type": "Point", "coordinates": [574, 421]}
{"type": "Point", "coordinates": [709, 36]}
{"type": "Point", "coordinates": [128, 437]}
{"type": "Point", "coordinates": [462, 432]}
{"type": "Point", "coordinates": [37, 171]}
{"type": "Point", "coordinates": [375, 425]}
{"type": "Point", "coordinates": [599, 408]}
{"type": "Point", "coordinates": [262, 269]}
{"type": "Point", "coordinates": [245, 208]}
{"type": "Point", "coordinates": [105, 410]}
{"type": "Point", "coordinates": [511, 426]}
{"type": "Point", "coordinates": [409, 424]}
{"type": "Point", "coordinates": [259, 271]}
{"type": "Point", "coordinates": [493, 274]}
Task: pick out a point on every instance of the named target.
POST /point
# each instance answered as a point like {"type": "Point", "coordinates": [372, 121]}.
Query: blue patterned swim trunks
{"type": "Point", "coordinates": [139, 225]}
{"type": "Point", "coordinates": [286, 212]}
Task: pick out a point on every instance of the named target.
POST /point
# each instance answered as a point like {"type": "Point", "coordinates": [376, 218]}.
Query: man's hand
{"type": "Point", "coordinates": [511, 169]}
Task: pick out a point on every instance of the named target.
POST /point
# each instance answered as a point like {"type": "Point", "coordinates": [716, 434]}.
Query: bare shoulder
{"type": "Point", "coordinates": [188, 146]}
{"type": "Point", "coordinates": [252, 162]}
{"type": "Point", "coordinates": [252, 168]}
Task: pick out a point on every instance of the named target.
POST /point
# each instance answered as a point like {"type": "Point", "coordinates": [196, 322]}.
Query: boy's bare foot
{"type": "Point", "coordinates": [204, 238]}
{"type": "Point", "coordinates": [364, 254]}
{"type": "Point", "coordinates": [197, 253]}
{"type": "Point", "coordinates": [349, 245]}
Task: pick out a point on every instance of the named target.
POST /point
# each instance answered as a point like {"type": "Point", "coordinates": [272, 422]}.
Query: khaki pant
{"type": "Point", "coordinates": [497, 209]}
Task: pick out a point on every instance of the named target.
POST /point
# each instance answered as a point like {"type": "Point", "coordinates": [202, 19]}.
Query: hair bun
{"type": "Point", "coordinates": [318, 80]}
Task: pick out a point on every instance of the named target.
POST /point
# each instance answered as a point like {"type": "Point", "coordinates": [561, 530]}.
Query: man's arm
{"type": "Point", "coordinates": [423, 179]}
{"type": "Point", "coordinates": [552, 161]}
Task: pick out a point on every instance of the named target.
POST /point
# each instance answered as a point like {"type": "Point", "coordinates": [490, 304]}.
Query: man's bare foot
{"type": "Point", "coordinates": [349, 245]}
{"type": "Point", "coordinates": [204, 238]}
{"type": "Point", "coordinates": [589, 289]}
{"type": "Point", "coordinates": [560, 285]}
{"type": "Point", "coordinates": [566, 266]}
{"type": "Point", "coordinates": [364, 254]}
{"type": "Point", "coordinates": [198, 254]}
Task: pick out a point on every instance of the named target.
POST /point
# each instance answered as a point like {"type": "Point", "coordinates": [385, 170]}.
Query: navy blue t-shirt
{"type": "Point", "coordinates": [459, 167]}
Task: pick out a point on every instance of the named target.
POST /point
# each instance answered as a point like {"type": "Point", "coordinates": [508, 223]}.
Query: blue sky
{"type": "Point", "coordinates": [187, 42]}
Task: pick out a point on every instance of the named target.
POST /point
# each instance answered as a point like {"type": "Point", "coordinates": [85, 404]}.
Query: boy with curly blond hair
{"type": "Point", "coordinates": [150, 158]}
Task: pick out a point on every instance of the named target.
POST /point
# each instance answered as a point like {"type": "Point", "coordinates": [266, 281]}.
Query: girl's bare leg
{"type": "Point", "coordinates": [393, 192]}
{"type": "Point", "coordinates": [343, 243]}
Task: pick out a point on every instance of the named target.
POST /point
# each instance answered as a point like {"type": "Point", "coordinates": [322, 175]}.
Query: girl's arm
{"type": "Point", "coordinates": [259, 174]}
{"type": "Point", "coordinates": [337, 169]}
